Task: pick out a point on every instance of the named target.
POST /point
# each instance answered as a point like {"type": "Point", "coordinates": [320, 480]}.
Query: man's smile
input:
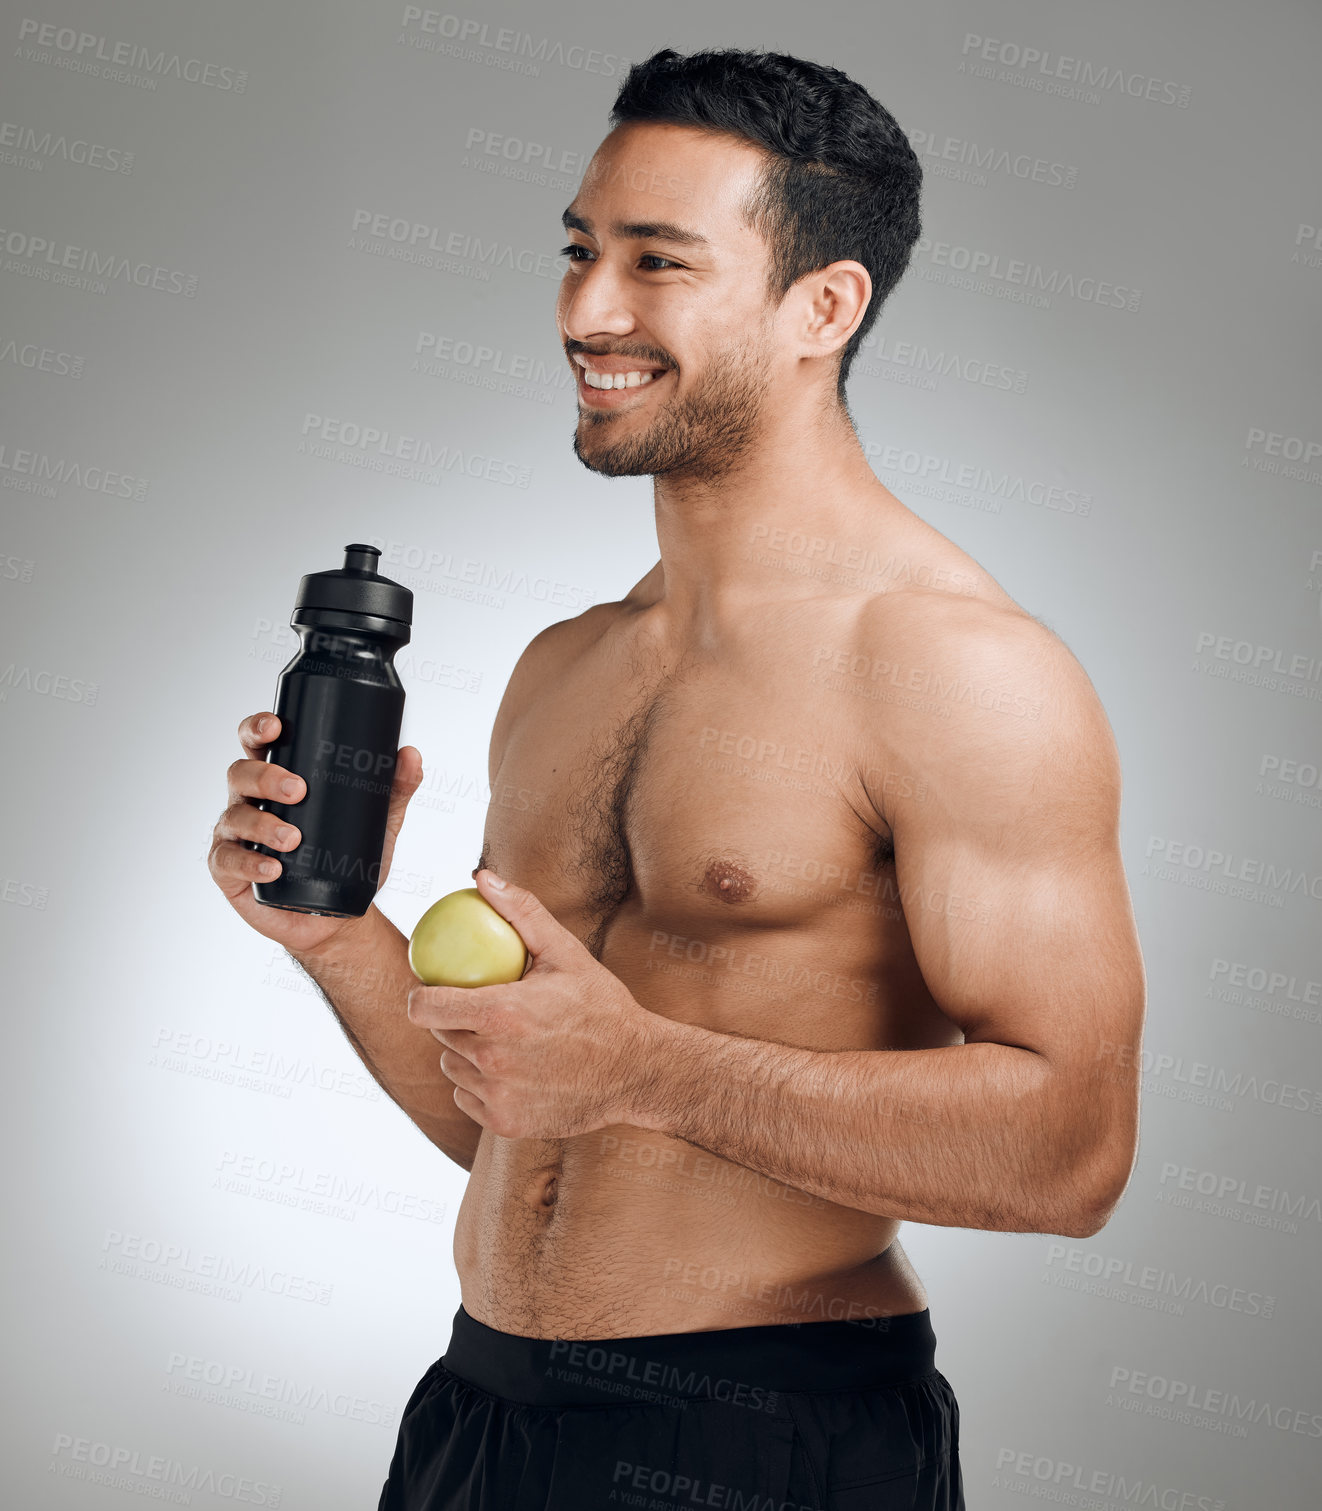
{"type": "Point", "coordinates": [600, 379]}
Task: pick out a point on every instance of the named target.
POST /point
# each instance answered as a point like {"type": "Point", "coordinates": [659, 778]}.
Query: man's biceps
{"type": "Point", "coordinates": [953, 884]}
{"type": "Point", "coordinates": [997, 946]}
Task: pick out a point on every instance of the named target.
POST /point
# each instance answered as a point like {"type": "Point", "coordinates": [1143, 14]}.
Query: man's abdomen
{"type": "Point", "coordinates": [624, 1232]}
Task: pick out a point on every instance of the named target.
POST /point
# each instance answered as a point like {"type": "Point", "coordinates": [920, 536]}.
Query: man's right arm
{"type": "Point", "coordinates": [361, 964]}
{"type": "Point", "coordinates": [365, 977]}
{"type": "Point", "coordinates": [363, 971]}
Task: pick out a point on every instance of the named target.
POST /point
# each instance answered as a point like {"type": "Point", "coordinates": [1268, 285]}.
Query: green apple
{"type": "Point", "coordinates": [462, 941]}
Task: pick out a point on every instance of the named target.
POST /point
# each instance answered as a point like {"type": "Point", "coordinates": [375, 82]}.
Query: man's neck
{"type": "Point", "coordinates": [733, 541]}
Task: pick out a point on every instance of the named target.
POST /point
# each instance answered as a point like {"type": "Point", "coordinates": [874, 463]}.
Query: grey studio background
{"type": "Point", "coordinates": [257, 261]}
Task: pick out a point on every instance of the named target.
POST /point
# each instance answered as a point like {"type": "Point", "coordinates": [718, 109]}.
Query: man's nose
{"type": "Point", "coordinates": [595, 303]}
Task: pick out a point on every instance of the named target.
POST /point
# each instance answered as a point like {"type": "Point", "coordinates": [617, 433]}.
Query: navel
{"type": "Point", "coordinates": [729, 881]}
{"type": "Point", "coordinates": [543, 1188]}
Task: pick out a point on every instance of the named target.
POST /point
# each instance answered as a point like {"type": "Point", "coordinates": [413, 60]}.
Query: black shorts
{"type": "Point", "coordinates": [810, 1416]}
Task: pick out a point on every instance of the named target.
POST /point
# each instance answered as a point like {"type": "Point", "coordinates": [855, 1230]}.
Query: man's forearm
{"type": "Point", "coordinates": [365, 977]}
{"type": "Point", "coordinates": [971, 1135]}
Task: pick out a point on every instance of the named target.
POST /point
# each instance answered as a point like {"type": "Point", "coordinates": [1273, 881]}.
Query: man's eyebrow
{"type": "Point", "coordinates": [639, 230]}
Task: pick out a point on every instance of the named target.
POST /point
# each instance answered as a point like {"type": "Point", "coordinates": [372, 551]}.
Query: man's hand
{"type": "Point", "coordinates": [558, 1053]}
{"type": "Point", "coordinates": [235, 867]}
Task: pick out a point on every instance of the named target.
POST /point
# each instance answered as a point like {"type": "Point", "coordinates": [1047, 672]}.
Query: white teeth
{"type": "Point", "coordinates": [634, 379]}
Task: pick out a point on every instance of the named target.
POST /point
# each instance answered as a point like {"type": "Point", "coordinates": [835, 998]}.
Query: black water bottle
{"type": "Point", "coordinates": [340, 704]}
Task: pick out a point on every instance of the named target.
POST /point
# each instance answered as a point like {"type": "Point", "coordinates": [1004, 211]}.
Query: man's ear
{"type": "Point", "coordinates": [832, 301]}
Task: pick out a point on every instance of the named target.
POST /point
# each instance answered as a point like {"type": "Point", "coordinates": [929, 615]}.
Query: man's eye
{"type": "Point", "coordinates": [574, 248]}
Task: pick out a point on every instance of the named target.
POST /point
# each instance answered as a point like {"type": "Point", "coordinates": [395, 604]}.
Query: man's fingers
{"type": "Point", "coordinates": [245, 821]}
{"type": "Point", "coordinates": [255, 779]}
{"type": "Point", "coordinates": [257, 731]}
{"type": "Point", "coordinates": [234, 861]}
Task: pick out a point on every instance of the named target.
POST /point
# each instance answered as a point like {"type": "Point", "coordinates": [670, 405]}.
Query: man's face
{"type": "Point", "coordinates": [664, 293]}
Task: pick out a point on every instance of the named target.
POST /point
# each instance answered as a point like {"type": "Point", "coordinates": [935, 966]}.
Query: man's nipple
{"type": "Point", "coordinates": [729, 881]}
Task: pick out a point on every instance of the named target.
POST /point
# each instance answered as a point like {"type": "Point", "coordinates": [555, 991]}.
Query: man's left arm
{"type": "Point", "coordinates": [1008, 866]}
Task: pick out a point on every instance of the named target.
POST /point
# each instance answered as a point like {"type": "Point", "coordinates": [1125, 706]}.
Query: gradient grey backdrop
{"type": "Point", "coordinates": [229, 1255]}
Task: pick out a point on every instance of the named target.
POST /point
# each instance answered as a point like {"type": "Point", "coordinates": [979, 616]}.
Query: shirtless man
{"type": "Point", "coordinates": [823, 888]}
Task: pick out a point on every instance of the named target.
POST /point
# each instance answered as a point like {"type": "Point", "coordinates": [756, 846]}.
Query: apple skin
{"type": "Point", "coordinates": [462, 941]}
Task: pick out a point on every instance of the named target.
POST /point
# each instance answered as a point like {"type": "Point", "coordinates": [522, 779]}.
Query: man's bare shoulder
{"type": "Point", "coordinates": [555, 649]}
{"type": "Point", "coordinates": [560, 643]}
{"type": "Point", "coordinates": [986, 624]}
{"type": "Point", "coordinates": [976, 681]}
{"type": "Point", "coordinates": [546, 661]}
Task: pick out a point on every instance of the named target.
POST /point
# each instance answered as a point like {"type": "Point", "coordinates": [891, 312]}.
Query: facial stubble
{"type": "Point", "coordinates": [701, 436]}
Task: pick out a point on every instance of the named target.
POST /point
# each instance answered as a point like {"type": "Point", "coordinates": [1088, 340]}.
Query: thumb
{"type": "Point", "coordinates": [407, 778]}
{"type": "Point", "coordinates": [545, 936]}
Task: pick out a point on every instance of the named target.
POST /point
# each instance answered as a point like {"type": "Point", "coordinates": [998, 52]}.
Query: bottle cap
{"type": "Point", "coordinates": [356, 588]}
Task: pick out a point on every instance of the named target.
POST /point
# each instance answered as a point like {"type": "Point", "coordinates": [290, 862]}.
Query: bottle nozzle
{"type": "Point", "coordinates": [357, 588]}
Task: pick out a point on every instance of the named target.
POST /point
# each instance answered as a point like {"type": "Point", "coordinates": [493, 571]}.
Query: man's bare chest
{"type": "Point", "coordinates": [701, 806]}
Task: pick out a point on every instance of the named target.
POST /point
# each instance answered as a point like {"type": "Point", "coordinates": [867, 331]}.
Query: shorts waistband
{"type": "Point", "coordinates": [718, 1364]}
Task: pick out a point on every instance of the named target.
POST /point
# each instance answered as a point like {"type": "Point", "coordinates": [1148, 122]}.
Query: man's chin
{"type": "Point", "coordinates": [612, 460]}
{"type": "Point", "coordinates": [610, 464]}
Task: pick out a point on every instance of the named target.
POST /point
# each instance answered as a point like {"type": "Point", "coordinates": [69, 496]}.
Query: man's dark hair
{"type": "Point", "coordinates": [842, 180]}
